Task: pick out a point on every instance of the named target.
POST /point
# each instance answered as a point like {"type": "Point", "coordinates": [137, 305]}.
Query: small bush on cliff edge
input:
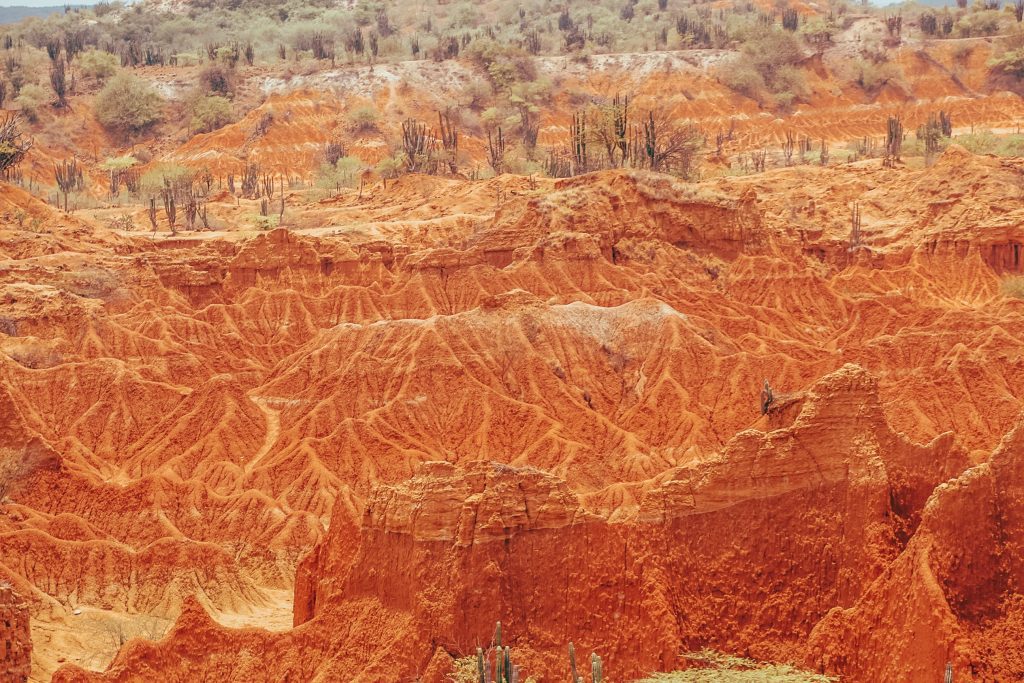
{"type": "Point", "coordinates": [766, 70]}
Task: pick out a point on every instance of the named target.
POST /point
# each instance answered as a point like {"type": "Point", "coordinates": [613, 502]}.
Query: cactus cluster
{"type": "Point", "coordinates": [503, 671]}
{"type": "Point", "coordinates": [596, 670]}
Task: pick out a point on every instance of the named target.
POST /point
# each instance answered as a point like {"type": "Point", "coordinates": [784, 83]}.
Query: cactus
{"type": "Point", "coordinates": [69, 177]}
{"type": "Point", "coordinates": [449, 141]}
{"type": "Point", "coordinates": [496, 151]}
{"type": "Point", "coordinates": [578, 132]}
{"type": "Point", "coordinates": [596, 674]}
{"type": "Point", "coordinates": [620, 121]}
{"type": "Point", "coordinates": [788, 146]}
{"type": "Point", "coordinates": [790, 19]}
{"type": "Point", "coordinates": [418, 145]}
{"type": "Point", "coordinates": [893, 141]}
{"type": "Point", "coordinates": [572, 664]}
{"type": "Point", "coordinates": [946, 123]}
{"type": "Point", "coordinates": [504, 670]}
{"type": "Point", "coordinates": [855, 226]}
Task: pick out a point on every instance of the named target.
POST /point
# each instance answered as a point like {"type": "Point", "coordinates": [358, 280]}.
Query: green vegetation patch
{"type": "Point", "coordinates": [721, 668]}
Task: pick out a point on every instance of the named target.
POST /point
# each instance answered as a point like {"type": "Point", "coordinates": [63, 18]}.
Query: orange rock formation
{"type": "Point", "coordinates": [431, 410]}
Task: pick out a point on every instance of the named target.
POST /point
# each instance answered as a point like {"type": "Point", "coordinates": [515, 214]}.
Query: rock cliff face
{"type": "Point", "coordinates": [432, 412]}
{"type": "Point", "coordinates": [723, 553]}
{"type": "Point", "coordinates": [953, 594]}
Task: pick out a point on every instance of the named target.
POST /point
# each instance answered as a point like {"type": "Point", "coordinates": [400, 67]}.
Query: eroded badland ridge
{"type": "Point", "coordinates": [331, 336]}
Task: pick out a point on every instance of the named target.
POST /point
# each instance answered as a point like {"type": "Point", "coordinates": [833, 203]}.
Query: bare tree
{"type": "Point", "coordinates": [13, 147]}
{"type": "Point", "coordinates": [667, 146]}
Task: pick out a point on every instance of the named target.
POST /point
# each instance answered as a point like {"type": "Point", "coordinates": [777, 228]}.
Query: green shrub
{"type": "Point", "coordinates": [980, 142]}
{"type": "Point", "coordinates": [770, 50]}
{"type": "Point", "coordinates": [504, 64]}
{"type": "Point", "coordinates": [790, 79]}
{"type": "Point", "coordinates": [766, 69]}
{"type": "Point", "coordinates": [391, 167]}
{"type": "Point", "coordinates": [153, 180]}
{"type": "Point", "coordinates": [266, 222]}
{"type": "Point", "coordinates": [362, 120]}
{"type": "Point", "coordinates": [1011, 146]}
{"type": "Point", "coordinates": [1010, 63]}
{"type": "Point", "coordinates": [974, 24]}
{"type": "Point", "coordinates": [118, 163]}
{"type": "Point", "coordinates": [343, 173]}
{"type": "Point", "coordinates": [720, 668]}
{"type": "Point", "coordinates": [744, 79]}
{"type": "Point", "coordinates": [210, 113]}
{"type": "Point", "coordinates": [98, 64]}
{"type": "Point", "coordinates": [30, 100]}
{"type": "Point", "coordinates": [128, 105]}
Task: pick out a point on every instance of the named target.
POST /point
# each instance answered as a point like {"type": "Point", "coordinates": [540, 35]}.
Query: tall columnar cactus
{"type": "Point", "coordinates": [855, 226]}
{"type": "Point", "coordinates": [620, 124]}
{"type": "Point", "coordinates": [596, 674]}
{"type": "Point", "coordinates": [572, 664]}
{"type": "Point", "coordinates": [893, 141]}
{"type": "Point", "coordinates": [578, 133]}
{"type": "Point", "coordinates": [503, 671]}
